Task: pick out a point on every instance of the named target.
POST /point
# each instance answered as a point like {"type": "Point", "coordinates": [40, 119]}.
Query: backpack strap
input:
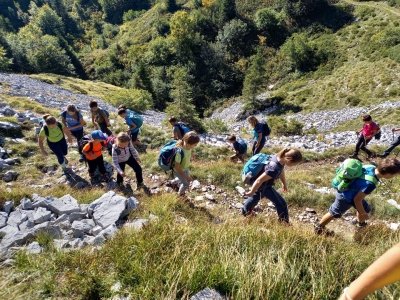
{"type": "Point", "coordinates": [46, 130]}
{"type": "Point", "coordinates": [371, 179]}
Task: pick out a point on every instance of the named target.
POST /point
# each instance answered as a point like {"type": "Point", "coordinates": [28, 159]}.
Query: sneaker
{"type": "Point", "coordinates": [359, 224]}
{"type": "Point", "coordinates": [321, 230]}
{"type": "Point", "coordinates": [249, 213]}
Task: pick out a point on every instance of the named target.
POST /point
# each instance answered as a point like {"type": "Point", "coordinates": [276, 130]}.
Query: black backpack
{"type": "Point", "coordinates": [265, 129]}
{"type": "Point", "coordinates": [84, 141]}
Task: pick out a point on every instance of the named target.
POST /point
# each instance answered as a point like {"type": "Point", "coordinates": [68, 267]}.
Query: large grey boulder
{"type": "Point", "coordinates": [109, 232]}
{"type": "Point", "coordinates": [16, 239]}
{"type": "Point", "coordinates": [28, 224]}
{"type": "Point", "coordinates": [8, 229]}
{"type": "Point", "coordinates": [16, 218]}
{"type": "Point", "coordinates": [7, 111]}
{"type": "Point", "coordinates": [3, 219]}
{"type": "Point", "coordinates": [80, 228]}
{"type": "Point", "coordinates": [64, 205]}
{"type": "Point", "coordinates": [4, 165]}
{"type": "Point", "coordinates": [26, 204]}
{"type": "Point", "coordinates": [10, 129]}
{"type": "Point", "coordinates": [41, 215]}
{"type": "Point", "coordinates": [39, 201]}
{"type": "Point", "coordinates": [110, 208]}
{"type": "Point", "coordinates": [207, 294]}
{"type": "Point", "coordinates": [53, 231]}
{"type": "Point", "coordinates": [76, 216]}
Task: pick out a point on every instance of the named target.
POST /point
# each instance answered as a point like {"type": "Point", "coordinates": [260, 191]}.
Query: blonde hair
{"type": "Point", "coordinates": [292, 155]}
{"type": "Point", "coordinates": [123, 137]}
{"type": "Point", "coordinates": [190, 138]}
{"type": "Point", "coordinates": [252, 120]}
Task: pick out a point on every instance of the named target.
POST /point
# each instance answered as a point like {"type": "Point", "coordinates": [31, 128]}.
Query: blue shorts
{"type": "Point", "coordinates": [340, 206]}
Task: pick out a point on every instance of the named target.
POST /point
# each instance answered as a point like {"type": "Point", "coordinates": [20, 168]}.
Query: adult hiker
{"type": "Point", "coordinates": [73, 120]}
{"type": "Point", "coordinates": [179, 128]}
{"type": "Point", "coordinates": [365, 135]}
{"type": "Point", "coordinates": [384, 271]}
{"type": "Point", "coordinates": [134, 120]}
{"type": "Point", "coordinates": [54, 132]}
{"type": "Point", "coordinates": [240, 148]}
{"type": "Point", "coordinates": [100, 118]}
{"type": "Point", "coordinates": [261, 131]}
{"type": "Point", "coordinates": [263, 183]}
{"type": "Point", "coordinates": [394, 144]}
{"type": "Point", "coordinates": [352, 192]}
{"type": "Point", "coordinates": [176, 156]}
{"type": "Point", "coordinates": [123, 153]}
{"type": "Point", "coordinates": [93, 151]}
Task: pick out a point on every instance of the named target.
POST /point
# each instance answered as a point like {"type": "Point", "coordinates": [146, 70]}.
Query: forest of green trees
{"type": "Point", "coordinates": [192, 52]}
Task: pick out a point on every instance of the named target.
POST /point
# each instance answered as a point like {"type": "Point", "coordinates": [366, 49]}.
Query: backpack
{"type": "Point", "coordinates": [64, 115]}
{"type": "Point", "coordinates": [378, 135]}
{"type": "Point", "coordinates": [167, 155]}
{"type": "Point", "coordinates": [46, 129]}
{"type": "Point", "coordinates": [135, 117]}
{"type": "Point", "coordinates": [110, 142]}
{"type": "Point", "coordinates": [242, 146]}
{"type": "Point", "coordinates": [350, 170]}
{"type": "Point", "coordinates": [85, 140]}
{"type": "Point", "coordinates": [254, 167]}
{"type": "Point", "coordinates": [104, 112]}
{"type": "Point", "coordinates": [183, 128]}
{"type": "Point", "coordinates": [265, 129]}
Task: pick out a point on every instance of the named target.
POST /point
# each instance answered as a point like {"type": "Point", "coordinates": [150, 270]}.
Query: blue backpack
{"type": "Point", "coordinates": [167, 155]}
{"type": "Point", "coordinates": [254, 167]}
{"type": "Point", "coordinates": [183, 128]}
{"type": "Point", "coordinates": [135, 117]}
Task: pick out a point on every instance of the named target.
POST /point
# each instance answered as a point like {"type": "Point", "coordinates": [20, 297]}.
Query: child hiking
{"type": "Point", "coordinates": [54, 132]}
{"type": "Point", "coordinates": [182, 160]}
{"type": "Point", "coordinates": [179, 128]}
{"type": "Point", "coordinates": [123, 153]}
{"type": "Point", "coordinates": [264, 181]}
{"type": "Point", "coordinates": [261, 131]}
{"type": "Point", "coordinates": [94, 155]}
{"type": "Point", "coordinates": [100, 118]}
{"type": "Point", "coordinates": [240, 148]}
{"type": "Point", "coordinates": [352, 193]}
{"type": "Point", "coordinates": [134, 120]}
{"type": "Point", "coordinates": [73, 120]}
{"type": "Point", "coordinates": [394, 144]}
{"type": "Point", "coordinates": [365, 135]}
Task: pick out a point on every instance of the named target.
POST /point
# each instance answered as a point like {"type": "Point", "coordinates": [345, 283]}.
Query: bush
{"type": "Point", "coordinates": [216, 126]}
{"type": "Point", "coordinates": [5, 62]}
{"type": "Point", "coordinates": [136, 99]}
{"type": "Point", "coordinates": [281, 126]}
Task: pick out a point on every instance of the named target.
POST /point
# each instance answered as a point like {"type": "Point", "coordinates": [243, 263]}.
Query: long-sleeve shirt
{"type": "Point", "coordinates": [122, 155]}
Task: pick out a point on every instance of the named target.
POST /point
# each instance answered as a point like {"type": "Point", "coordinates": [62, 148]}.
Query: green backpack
{"type": "Point", "coordinates": [350, 170]}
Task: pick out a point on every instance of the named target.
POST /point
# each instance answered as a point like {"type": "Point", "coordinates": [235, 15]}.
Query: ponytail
{"type": "Point", "coordinates": [292, 155]}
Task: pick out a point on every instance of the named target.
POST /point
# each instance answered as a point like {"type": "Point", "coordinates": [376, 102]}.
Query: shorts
{"type": "Point", "coordinates": [340, 206]}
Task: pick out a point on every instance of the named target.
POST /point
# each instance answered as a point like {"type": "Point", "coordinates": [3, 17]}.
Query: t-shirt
{"type": "Point", "coordinates": [239, 147]}
{"type": "Point", "coordinates": [99, 115]}
{"type": "Point", "coordinates": [55, 133]}
{"type": "Point", "coordinates": [72, 121]}
{"type": "Point", "coordinates": [258, 130]}
{"type": "Point", "coordinates": [273, 169]}
{"type": "Point", "coordinates": [185, 162]}
{"type": "Point", "coordinates": [96, 152]}
{"type": "Point", "coordinates": [369, 129]}
{"type": "Point", "coordinates": [358, 185]}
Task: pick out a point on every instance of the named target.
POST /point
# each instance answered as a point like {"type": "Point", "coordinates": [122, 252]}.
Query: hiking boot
{"type": "Point", "coordinates": [321, 230]}
{"type": "Point", "coordinates": [249, 213]}
{"type": "Point", "coordinates": [145, 189]}
{"type": "Point", "coordinates": [359, 224]}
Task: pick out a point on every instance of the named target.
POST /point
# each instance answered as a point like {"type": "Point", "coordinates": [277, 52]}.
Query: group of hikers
{"type": "Point", "coordinates": [353, 180]}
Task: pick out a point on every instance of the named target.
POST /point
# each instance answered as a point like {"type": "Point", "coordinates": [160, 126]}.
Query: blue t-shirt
{"type": "Point", "coordinates": [129, 121]}
{"type": "Point", "coordinates": [71, 121]}
{"type": "Point", "coordinates": [240, 147]}
{"type": "Point", "coordinates": [358, 185]}
{"type": "Point", "coordinates": [258, 130]}
{"type": "Point", "coordinates": [273, 169]}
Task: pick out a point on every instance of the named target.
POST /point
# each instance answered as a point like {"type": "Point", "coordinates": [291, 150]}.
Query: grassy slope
{"type": "Point", "coordinates": [364, 76]}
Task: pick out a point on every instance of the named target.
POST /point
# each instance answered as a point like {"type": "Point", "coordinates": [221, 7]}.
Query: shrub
{"type": "Point", "coordinates": [281, 126]}
{"type": "Point", "coordinates": [5, 62]}
{"type": "Point", "coordinates": [137, 99]}
{"type": "Point", "coordinates": [216, 126]}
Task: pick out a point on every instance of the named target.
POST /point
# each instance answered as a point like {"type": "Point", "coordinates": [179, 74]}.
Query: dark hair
{"type": "Point", "coordinates": [389, 166]}
{"type": "Point", "coordinates": [71, 108]}
{"type": "Point", "coordinates": [366, 118]}
{"type": "Point", "coordinates": [190, 138]}
{"type": "Point", "coordinates": [93, 103]}
{"type": "Point", "coordinates": [231, 138]}
{"type": "Point", "coordinates": [173, 120]}
{"type": "Point", "coordinates": [121, 110]}
{"type": "Point", "coordinates": [49, 120]}
{"type": "Point", "coordinates": [292, 155]}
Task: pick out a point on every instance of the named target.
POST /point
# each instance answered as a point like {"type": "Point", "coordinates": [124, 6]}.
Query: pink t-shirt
{"type": "Point", "coordinates": [369, 129]}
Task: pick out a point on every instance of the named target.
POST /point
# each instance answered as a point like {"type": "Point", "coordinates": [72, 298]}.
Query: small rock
{"type": "Point", "coordinates": [41, 215]}
{"type": "Point", "coordinates": [61, 244]}
{"type": "Point", "coordinates": [310, 210]}
{"type": "Point", "coordinates": [34, 248]}
{"type": "Point", "coordinates": [199, 198]}
{"type": "Point", "coordinates": [16, 218]}
{"type": "Point", "coordinates": [109, 232]}
{"type": "Point", "coordinates": [195, 185]}
{"type": "Point", "coordinates": [207, 294]}
{"type": "Point", "coordinates": [76, 216]}
{"type": "Point", "coordinates": [8, 206]}
{"type": "Point", "coordinates": [96, 230]}
{"type": "Point", "coordinates": [240, 190]}
{"type": "Point", "coordinates": [64, 205]}
{"type": "Point", "coordinates": [137, 224]}
{"type": "Point", "coordinates": [10, 176]}
{"type": "Point", "coordinates": [394, 226]}
{"type": "Point", "coordinates": [210, 197]}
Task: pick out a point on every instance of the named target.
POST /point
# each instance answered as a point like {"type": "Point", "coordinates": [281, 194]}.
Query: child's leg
{"type": "Point", "coordinates": [337, 209]}
{"type": "Point", "coordinates": [251, 202]}
{"type": "Point", "coordinates": [137, 168]}
{"type": "Point", "coordinates": [92, 167]}
{"type": "Point", "coordinates": [280, 203]}
{"type": "Point", "coordinates": [359, 144]}
{"type": "Point", "coordinates": [364, 147]}
{"type": "Point", "coordinates": [57, 149]}
{"type": "Point", "coordinates": [100, 165]}
{"type": "Point", "coordinates": [184, 183]}
{"type": "Point", "coordinates": [120, 179]}
{"type": "Point", "coordinates": [78, 134]}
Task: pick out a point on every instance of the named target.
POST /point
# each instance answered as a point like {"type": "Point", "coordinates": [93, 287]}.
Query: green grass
{"type": "Point", "coordinates": [171, 260]}
{"type": "Point", "coordinates": [24, 103]}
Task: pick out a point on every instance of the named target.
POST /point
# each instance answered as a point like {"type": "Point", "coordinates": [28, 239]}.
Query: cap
{"type": "Point", "coordinates": [99, 135]}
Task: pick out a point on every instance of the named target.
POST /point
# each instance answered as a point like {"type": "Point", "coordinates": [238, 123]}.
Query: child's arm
{"type": "Point", "coordinates": [116, 162]}
{"type": "Point", "coordinates": [106, 119]}
{"type": "Point", "coordinates": [257, 184]}
{"type": "Point", "coordinates": [362, 214]}
{"type": "Point", "coordinates": [96, 125]}
{"type": "Point", "coordinates": [40, 142]}
{"type": "Point", "coordinates": [67, 132]}
{"type": "Point", "coordinates": [385, 270]}
{"type": "Point", "coordinates": [283, 180]}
